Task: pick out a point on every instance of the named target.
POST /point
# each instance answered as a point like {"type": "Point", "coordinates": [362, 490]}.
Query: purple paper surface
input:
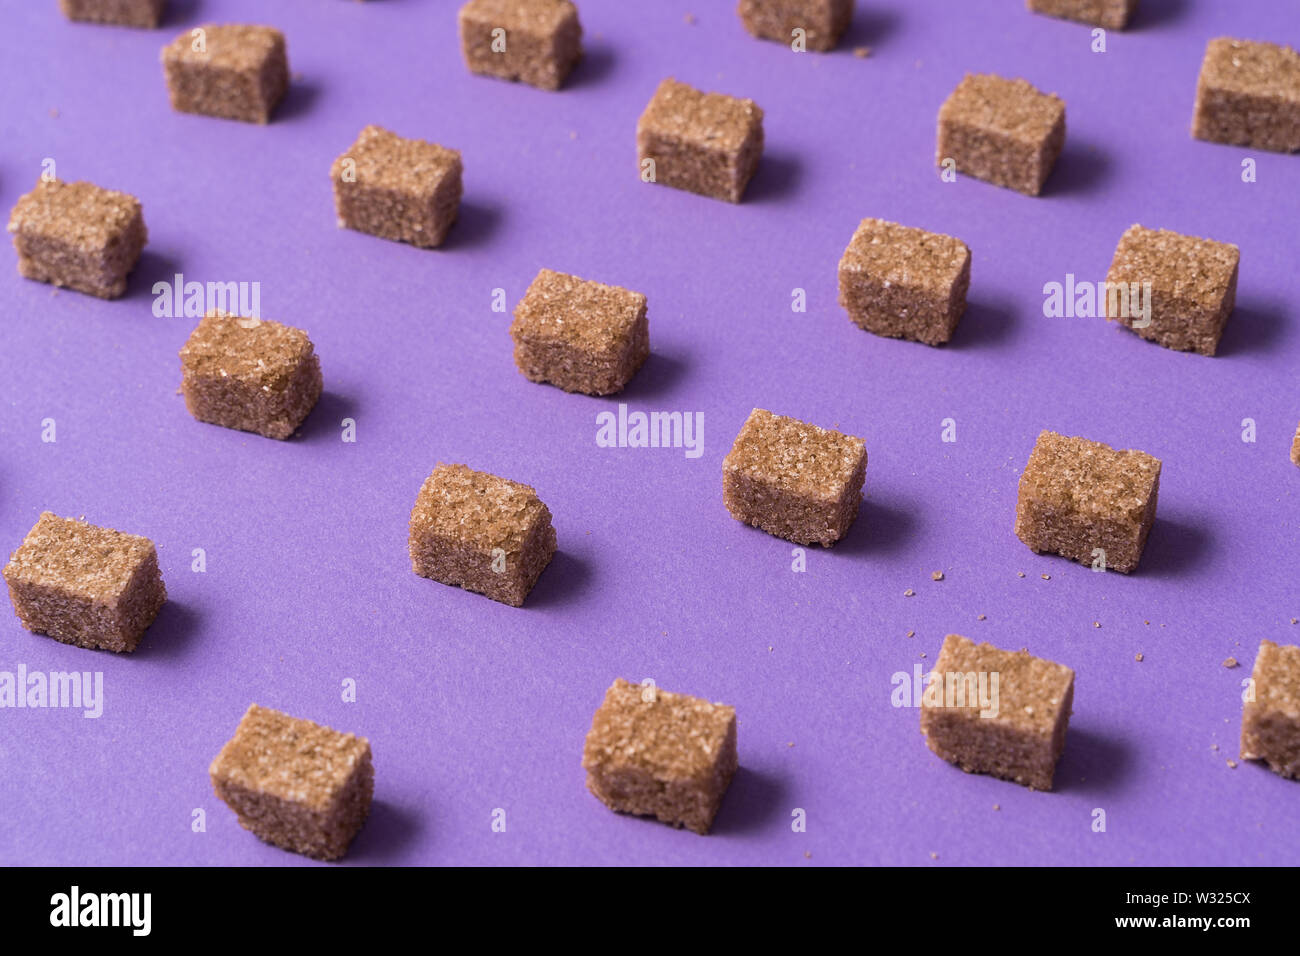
{"type": "Point", "coordinates": [473, 707]}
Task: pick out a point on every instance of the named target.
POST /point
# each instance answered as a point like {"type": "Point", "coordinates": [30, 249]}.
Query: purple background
{"type": "Point", "coordinates": [472, 705]}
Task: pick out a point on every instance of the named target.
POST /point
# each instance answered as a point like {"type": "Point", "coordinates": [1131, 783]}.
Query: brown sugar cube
{"type": "Point", "coordinates": [85, 585]}
{"type": "Point", "coordinates": [1193, 287]}
{"type": "Point", "coordinates": [295, 784]}
{"type": "Point", "coordinates": [794, 480]}
{"type": "Point", "coordinates": [403, 189]}
{"type": "Point", "coordinates": [1270, 722]}
{"type": "Point", "coordinates": [580, 335]}
{"type": "Point", "coordinates": [78, 236]}
{"type": "Point", "coordinates": [823, 22]}
{"type": "Point", "coordinates": [125, 13]}
{"type": "Point", "coordinates": [1295, 447]}
{"type": "Point", "coordinates": [249, 374]}
{"type": "Point", "coordinates": [1111, 14]}
{"type": "Point", "coordinates": [904, 283]}
{"type": "Point", "coordinates": [230, 71]}
{"type": "Point", "coordinates": [1002, 131]}
{"type": "Point", "coordinates": [705, 143]}
{"type": "Point", "coordinates": [652, 753]}
{"type": "Point", "coordinates": [998, 712]}
{"type": "Point", "coordinates": [480, 532]}
{"type": "Point", "coordinates": [534, 41]}
{"type": "Point", "coordinates": [1248, 94]}
{"type": "Point", "coordinates": [1077, 496]}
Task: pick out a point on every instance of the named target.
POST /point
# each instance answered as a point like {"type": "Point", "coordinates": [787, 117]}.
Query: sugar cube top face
{"type": "Point", "coordinates": [286, 757]}
{"type": "Point", "coordinates": [823, 22]}
{"type": "Point", "coordinates": [904, 255]}
{"type": "Point", "coordinates": [93, 562]}
{"type": "Point", "coordinates": [998, 712]}
{"type": "Point", "coordinates": [479, 509]}
{"type": "Point", "coordinates": [580, 335]}
{"type": "Point", "coordinates": [796, 456]}
{"type": "Point", "coordinates": [382, 158]}
{"type": "Point", "coordinates": [408, 190]}
{"type": "Point", "coordinates": [1270, 724]}
{"type": "Point", "coordinates": [1111, 14]}
{"type": "Point", "coordinates": [1193, 287]}
{"type": "Point", "coordinates": [689, 115]}
{"type": "Point", "coordinates": [705, 143]}
{"type": "Point", "coordinates": [902, 282]}
{"type": "Point", "coordinates": [85, 585]}
{"type": "Point", "coordinates": [586, 315]}
{"type": "Point", "coordinates": [1002, 131]}
{"type": "Point", "coordinates": [79, 236]}
{"type": "Point", "coordinates": [226, 46]}
{"type": "Point", "coordinates": [250, 374]}
{"type": "Point", "coordinates": [794, 480]}
{"type": "Point", "coordinates": [1011, 107]}
{"type": "Point", "coordinates": [483, 533]}
{"type": "Point", "coordinates": [1077, 496]}
{"type": "Point", "coordinates": [537, 42]}
{"type": "Point", "coordinates": [294, 783]}
{"type": "Point", "coordinates": [126, 13]}
{"type": "Point", "coordinates": [650, 752]}
{"type": "Point", "coordinates": [232, 346]}
{"type": "Point", "coordinates": [535, 16]}
{"type": "Point", "coordinates": [230, 71]}
{"type": "Point", "coordinates": [1248, 94]}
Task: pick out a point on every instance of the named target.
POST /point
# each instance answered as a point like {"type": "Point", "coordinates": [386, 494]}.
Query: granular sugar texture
{"type": "Point", "coordinates": [251, 374]}
{"type": "Point", "coordinates": [705, 143]}
{"type": "Point", "coordinates": [794, 480]}
{"type": "Point", "coordinates": [580, 335]}
{"type": "Point", "coordinates": [998, 712]}
{"type": "Point", "coordinates": [78, 236]}
{"type": "Point", "coordinates": [295, 784]}
{"type": "Point", "coordinates": [479, 532]}
{"type": "Point", "coordinates": [653, 753]}
{"type": "Point", "coordinates": [85, 585]}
